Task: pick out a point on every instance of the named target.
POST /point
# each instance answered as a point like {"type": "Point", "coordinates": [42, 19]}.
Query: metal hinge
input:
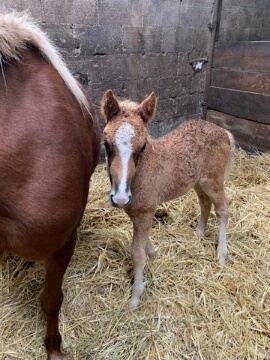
{"type": "Point", "coordinates": [212, 25]}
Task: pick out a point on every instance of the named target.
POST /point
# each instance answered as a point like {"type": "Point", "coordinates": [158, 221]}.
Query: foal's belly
{"type": "Point", "coordinates": [173, 192]}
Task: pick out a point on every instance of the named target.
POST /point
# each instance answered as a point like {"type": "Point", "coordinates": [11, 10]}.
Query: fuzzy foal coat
{"type": "Point", "coordinates": [145, 172]}
{"type": "Point", "coordinates": [182, 158]}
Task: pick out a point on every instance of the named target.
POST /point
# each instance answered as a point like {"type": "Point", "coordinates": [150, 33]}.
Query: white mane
{"type": "Point", "coordinates": [18, 30]}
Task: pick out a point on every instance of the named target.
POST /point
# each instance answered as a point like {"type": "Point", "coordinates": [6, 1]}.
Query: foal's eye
{"type": "Point", "coordinates": [143, 148]}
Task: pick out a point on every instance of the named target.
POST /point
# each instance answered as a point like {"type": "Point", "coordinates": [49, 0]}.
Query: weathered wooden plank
{"type": "Point", "coordinates": [257, 82]}
{"type": "Point", "coordinates": [243, 55]}
{"type": "Point", "coordinates": [247, 105]}
{"type": "Point", "coordinates": [245, 131]}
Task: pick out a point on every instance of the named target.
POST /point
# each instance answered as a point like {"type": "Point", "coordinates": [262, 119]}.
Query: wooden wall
{"type": "Point", "coordinates": [239, 94]}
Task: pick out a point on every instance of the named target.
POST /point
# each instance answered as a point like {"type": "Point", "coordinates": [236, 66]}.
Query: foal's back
{"type": "Point", "coordinates": [172, 164]}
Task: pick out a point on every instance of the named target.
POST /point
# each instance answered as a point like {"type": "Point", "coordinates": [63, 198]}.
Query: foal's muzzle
{"type": "Point", "coordinates": [119, 202]}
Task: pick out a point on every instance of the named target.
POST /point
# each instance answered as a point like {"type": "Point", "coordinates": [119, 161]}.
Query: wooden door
{"type": "Point", "coordinates": [239, 94]}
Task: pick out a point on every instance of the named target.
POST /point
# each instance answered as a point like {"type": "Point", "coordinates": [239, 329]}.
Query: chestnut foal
{"type": "Point", "coordinates": [145, 172]}
{"type": "Point", "coordinates": [49, 147]}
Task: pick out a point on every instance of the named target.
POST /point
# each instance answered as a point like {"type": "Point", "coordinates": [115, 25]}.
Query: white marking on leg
{"type": "Point", "coordinates": [139, 258]}
{"type": "Point", "coordinates": [123, 139]}
{"type": "Point", "coordinates": [137, 289]}
{"type": "Point", "coordinates": [222, 250]}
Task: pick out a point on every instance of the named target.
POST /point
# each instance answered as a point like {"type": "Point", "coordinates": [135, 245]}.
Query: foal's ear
{"type": "Point", "coordinates": [147, 107]}
{"type": "Point", "coordinates": [109, 105]}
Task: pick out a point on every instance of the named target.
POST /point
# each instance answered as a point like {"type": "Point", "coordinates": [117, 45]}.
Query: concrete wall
{"type": "Point", "coordinates": [245, 20]}
{"type": "Point", "coordinates": [133, 47]}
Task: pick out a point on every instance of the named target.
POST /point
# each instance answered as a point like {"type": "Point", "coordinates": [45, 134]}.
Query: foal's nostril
{"type": "Point", "coordinates": [112, 202]}
{"type": "Point", "coordinates": [119, 202]}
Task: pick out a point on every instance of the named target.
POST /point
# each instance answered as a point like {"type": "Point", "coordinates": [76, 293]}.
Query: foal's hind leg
{"type": "Point", "coordinates": [205, 205]}
{"type": "Point", "coordinates": [150, 249]}
{"type": "Point", "coordinates": [221, 208]}
{"type": "Point", "coordinates": [215, 190]}
{"type": "Point", "coordinates": [141, 246]}
{"type": "Point", "coordinates": [52, 296]}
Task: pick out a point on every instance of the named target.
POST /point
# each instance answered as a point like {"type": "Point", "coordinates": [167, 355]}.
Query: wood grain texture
{"type": "Point", "coordinates": [257, 82]}
{"type": "Point", "coordinates": [243, 56]}
{"type": "Point", "coordinates": [247, 105]}
{"type": "Point", "coordinates": [246, 132]}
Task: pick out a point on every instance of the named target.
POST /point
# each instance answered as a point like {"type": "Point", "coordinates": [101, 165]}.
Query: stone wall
{"type": "Point", "coordinates": [133, 47]}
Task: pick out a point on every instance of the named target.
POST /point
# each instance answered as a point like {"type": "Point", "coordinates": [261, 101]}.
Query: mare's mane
{"type": "Point", "coordinates": [19, 30]}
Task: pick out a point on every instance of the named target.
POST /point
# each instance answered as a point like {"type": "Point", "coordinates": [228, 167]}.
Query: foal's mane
{"type": "Point", "coordinates": [128, 107]}
{"type": "Point", "coordinates": [19, 30]}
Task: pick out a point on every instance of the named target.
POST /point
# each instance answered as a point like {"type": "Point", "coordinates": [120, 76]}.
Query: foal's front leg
{"type": "Point", "coordinates": [141, 247]}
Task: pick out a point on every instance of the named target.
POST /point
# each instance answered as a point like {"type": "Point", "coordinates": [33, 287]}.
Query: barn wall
{"type": "Point", "coordinates": [245, 20]}
{"type": "Point", "coordinates": [133, 47]}
{"type": "Point", "coordinates": [239, 93]}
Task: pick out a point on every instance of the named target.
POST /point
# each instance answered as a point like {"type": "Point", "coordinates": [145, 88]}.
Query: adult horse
{"type": "Point", "coordinates": [49, 147]}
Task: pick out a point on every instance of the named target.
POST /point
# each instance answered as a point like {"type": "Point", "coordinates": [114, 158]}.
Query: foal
{"type": "Point", "coordinates": [145, 172]}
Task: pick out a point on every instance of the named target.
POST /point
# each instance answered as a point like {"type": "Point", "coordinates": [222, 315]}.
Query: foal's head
{"type": "Point", "coordinates": [125, 138]}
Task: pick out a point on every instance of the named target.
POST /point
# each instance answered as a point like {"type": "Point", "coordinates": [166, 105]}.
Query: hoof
{"type": "Point", "coordinates": [152, 256]}
{"type": "Point", "coordinates": [56, 356]}
{"type": "Point", "coordinates": [200, 232]}
{"type": "Point", "coordinates": [222, 259]}
{"type": "Point", "coordinates": [134, 302]}
{"type": "Point", "coordinates": [136, 294]}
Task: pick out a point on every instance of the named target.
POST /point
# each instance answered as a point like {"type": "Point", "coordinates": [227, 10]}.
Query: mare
{"type": "Point", "coordinates": [49, 147]}
{"type": "Point", "coordinates": [144, 172]}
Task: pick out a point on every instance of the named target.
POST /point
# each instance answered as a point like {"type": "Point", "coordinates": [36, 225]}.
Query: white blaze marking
{"type": "Point", "coordinates": [123, 139]}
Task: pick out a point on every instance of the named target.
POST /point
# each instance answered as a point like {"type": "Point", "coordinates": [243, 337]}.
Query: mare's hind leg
{"type": "Point", "coordinates": [52, 296]}
{"type": "Point", "coordinates": [141, 246]}
{"type": "Point", "coordinates": [205, 205]}
{"type": "Point", "coordinates": [215, 190]}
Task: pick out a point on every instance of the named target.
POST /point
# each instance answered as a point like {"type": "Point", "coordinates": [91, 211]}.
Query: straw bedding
{"type": "Point", "coordinates": [191, 309]}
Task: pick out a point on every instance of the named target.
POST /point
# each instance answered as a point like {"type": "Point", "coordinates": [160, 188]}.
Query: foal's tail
{"type": "Point", "coordinates": [230, 160]}
{"type": "Point", "coordinates": [18, 30]}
